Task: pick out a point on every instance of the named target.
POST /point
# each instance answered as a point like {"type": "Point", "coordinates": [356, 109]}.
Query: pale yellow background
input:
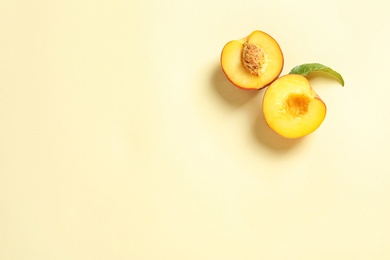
{"type": "Point", "coordinates": [120, 138]}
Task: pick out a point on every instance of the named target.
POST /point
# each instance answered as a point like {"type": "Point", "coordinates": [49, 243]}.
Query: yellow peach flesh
{"type": "Point", "coordinates": [271, 63]}
{"type": "Point", "coordinates": [292, 108]}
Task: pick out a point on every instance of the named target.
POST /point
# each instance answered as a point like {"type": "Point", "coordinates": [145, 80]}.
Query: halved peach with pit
{"type": "Point", "coordinates": [252, 62]}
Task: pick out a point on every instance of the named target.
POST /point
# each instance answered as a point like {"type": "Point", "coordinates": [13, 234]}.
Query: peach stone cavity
{"type": "Point", "coordinates": [297, 104]}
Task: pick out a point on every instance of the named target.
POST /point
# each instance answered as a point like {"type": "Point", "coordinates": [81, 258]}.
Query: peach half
{"type": "Point", "coordinates": [292, 108]}
{"type": "Point", "coordinates": [252, 62]}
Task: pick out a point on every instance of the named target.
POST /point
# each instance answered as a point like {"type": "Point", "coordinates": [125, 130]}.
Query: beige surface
{"type": "Point", "coordinates": [121, 139]}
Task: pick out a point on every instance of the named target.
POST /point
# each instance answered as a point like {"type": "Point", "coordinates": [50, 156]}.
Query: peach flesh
{"type": "Point", "coordinates": [252, 62]}
{"type": "Point", "coordinates": [292, 108]}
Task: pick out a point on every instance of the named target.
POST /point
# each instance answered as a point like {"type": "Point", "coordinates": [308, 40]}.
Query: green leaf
{"type": "Point", "coordinates": [306, 69]}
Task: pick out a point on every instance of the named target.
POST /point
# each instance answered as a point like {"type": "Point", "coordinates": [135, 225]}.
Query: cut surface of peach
{"type": "Point", "coordinates": [252, 62]}
{"type": "Point", "coordinates": [292, 108]}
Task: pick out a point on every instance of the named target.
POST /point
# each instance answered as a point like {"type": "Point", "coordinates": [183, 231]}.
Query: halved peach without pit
{"type": "Point", "coordinates": [292, 108]}
{"type": "Point", "coordinates": [252, 62]}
